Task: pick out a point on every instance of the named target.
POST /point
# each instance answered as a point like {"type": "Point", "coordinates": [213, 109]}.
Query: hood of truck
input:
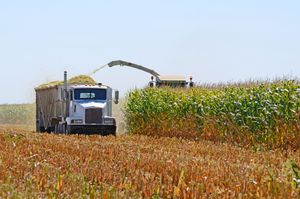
{"type": "Point", "coordinates": [86, 105]}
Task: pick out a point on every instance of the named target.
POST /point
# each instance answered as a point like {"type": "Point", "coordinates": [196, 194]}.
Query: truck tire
{"type": "Point", "coordinates": [68, 129]}
{"type": "Point", "coordinates": [50, 129]}
{"type": "Point", "coordinates": [41, 129]}
{"type": "Point", "coordinates": [113, 131]}
{"type": "Point", "coordinates": [57, 129]}
{"type": "Point", "coordinates": [110, 130]}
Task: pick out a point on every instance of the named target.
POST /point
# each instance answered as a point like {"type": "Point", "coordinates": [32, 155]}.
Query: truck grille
{"type": "Point", "coordinates": [93, 116]}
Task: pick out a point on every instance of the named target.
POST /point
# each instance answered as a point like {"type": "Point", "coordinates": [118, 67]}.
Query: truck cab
{"type": "Point", "coordinates": [90, 109]}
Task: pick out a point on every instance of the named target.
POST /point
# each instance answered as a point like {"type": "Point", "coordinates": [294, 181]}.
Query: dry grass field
{"type": "Point", "coordinates": [137, 166]}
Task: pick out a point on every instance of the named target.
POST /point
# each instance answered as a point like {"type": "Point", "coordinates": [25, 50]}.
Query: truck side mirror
{"type": "Point", "coordinates": [116, 96]}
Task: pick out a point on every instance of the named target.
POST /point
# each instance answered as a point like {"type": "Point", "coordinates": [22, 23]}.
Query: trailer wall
{"type": "Point", "coordinates": [50, 105]}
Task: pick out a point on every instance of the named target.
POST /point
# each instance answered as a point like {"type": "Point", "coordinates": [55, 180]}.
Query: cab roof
{"type": "Point", "coordinates": [179, 78]}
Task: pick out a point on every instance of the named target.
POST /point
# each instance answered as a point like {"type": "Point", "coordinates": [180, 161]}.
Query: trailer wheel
{"type": "Point", "coordinates": [68, 129]}
{"type": "Point", "coordinates": [57, 129]}
{"type": "Point", "coordinates": [50, 129]}
{"type": "Point", "coordinates": [42, 129]}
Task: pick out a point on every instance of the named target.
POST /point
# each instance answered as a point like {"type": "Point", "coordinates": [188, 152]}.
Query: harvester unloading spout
{"type": "Point", "coordinates": [136, 66]}
{"type": "Point", "coordinates": [169, 80]}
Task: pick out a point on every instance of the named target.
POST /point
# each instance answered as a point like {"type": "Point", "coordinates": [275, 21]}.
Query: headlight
{"type": "Point", "coordinates": [77, 121]}
{"type": "Point", "coordinates": [110, 121]}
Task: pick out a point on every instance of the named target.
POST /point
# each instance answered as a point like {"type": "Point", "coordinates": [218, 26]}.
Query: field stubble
{"type": "Point", "coordinates": [41, 165]}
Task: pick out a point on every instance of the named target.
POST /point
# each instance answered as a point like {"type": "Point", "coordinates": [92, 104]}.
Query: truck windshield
{"type": "Point", "coordinates": [87, 94]}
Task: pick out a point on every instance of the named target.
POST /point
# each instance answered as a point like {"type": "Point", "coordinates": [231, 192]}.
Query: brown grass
{"type": "Point", "coordinates": [46, 165]}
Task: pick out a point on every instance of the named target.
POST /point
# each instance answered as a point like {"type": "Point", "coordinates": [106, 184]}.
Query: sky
{"type": "Point", "coordinates": [213, 41]}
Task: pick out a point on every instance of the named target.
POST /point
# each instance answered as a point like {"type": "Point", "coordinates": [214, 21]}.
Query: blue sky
{"type": "Point", "coordinates": [214, 41]}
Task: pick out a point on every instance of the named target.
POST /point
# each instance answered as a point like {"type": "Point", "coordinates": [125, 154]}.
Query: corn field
{"type": "Point", "coordinates": [264, 115]}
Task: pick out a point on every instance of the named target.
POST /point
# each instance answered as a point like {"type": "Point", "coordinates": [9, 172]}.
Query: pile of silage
{"type": "Point", "coordinates": [80, 79]}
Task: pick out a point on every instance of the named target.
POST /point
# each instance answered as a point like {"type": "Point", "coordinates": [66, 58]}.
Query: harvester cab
{"type": "Point", "coordinates": [157, 80]}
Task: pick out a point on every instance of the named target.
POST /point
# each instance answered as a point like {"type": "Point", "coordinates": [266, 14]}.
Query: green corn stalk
{"type": "Point", "coordinates": [257, 110]}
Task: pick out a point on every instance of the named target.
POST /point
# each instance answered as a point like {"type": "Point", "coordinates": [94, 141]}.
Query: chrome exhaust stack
{"type": "Point", "coordinates": [66, 94]}
{"type": "Point", "coordinates": [65, 83]}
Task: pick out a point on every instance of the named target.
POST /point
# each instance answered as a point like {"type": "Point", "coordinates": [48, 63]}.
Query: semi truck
{"type": "Point", "coordinates": [76, 108]}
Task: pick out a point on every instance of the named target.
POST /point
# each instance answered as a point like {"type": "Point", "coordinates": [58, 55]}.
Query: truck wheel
{"type": "Point", "coordinates": [56, 128]}
{"type": "Point", "coordinates": [50, 129]}
{"type": "Point", "coordinates": [68, 129]}
{"type": "Point", "coordinates": [41, 129]}
{"type": "Point", "coordinates": [111, 130]}
{"type": "Point", "coordinates": [114, 131]}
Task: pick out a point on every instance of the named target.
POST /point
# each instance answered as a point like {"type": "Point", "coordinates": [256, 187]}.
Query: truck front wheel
{"type": "Point", "coordinates": [110, 130]}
